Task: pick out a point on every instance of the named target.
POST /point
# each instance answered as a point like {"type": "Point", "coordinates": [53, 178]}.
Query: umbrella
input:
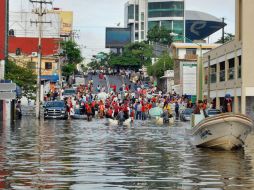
{"type": "Point", "coordinates": [155, 112]}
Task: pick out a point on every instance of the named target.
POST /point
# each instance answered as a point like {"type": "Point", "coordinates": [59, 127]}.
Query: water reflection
{"type": "Point", "coordinates": [79, 155]}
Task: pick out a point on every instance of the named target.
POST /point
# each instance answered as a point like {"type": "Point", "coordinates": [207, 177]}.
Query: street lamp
{"type": "Point", "coordinates": [199, 67]}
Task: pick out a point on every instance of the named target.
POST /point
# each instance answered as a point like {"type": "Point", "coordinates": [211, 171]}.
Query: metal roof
{"type": "Point", "coordinates": [201, 16]}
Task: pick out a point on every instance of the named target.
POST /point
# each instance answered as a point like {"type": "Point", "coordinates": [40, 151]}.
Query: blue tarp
{"type": "Point", "coordinates": [51, 78]}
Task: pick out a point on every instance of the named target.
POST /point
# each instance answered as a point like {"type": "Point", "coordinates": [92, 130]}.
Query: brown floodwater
{"type": "Point", "coordinates": [79, 155]}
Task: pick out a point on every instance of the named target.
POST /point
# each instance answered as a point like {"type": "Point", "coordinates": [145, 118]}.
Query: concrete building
{"type": "Point", "coordinates": [143, 15]}
{"type": "Point", "coordinates": [168, 14]}
{"type": "Point", "coordinates": [186, 57]}
{"type": "Point", "coordinates": [136, 19]}
{"type": "Point", "coordinates": [230, 67]}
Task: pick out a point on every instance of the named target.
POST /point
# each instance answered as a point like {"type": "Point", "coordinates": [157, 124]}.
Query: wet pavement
{"type": "Point", "coordinates": [80, 155]}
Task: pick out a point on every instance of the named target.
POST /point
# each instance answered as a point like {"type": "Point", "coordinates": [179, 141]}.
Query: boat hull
{"type": "Point", "coordinates": [225, 131]}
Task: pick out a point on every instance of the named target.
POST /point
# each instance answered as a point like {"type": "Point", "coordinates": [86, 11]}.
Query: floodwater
{"type": "Point", "coordinates": [79, 155]}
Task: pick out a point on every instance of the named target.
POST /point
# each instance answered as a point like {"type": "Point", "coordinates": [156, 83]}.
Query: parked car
{"type": "Point", "coordinates": [185, 114]}
{"type": "Point", "coordinates": [69, 92]}
{"type": "Point", "coordinates": [55, 110]}
{"type": "Point", "coordinates": [212, 112]}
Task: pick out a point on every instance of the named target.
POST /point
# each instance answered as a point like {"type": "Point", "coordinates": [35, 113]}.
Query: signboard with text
{"type": "Point", "coordinates": [189, 79]}
{"type": "Point", "coordinates": [66, 23]}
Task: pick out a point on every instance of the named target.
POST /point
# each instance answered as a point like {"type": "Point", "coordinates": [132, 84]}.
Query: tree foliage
{"type": "Point", "coordinates": [72, 52]}
{"type": "Point", "coordinates": [73, 55]}
{"type": "Point", "coordinates": [228, 37]}
{"type": "Point", "coordinates": [160, 35]}
{"type": "Point", "coordinates": [99, 60]}
{"type": "Point", "coordinates": [24, 77]}
{"type": "Point", "coordinates": [134, 55]}
{"type": "Point", "coordinates": [164, 63]}
{"type": "Point", "coordinates": [68, 69]}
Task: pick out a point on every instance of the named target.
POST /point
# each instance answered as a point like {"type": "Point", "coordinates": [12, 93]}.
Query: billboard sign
{"type": "Point", "coordinates": [2, 28]}
{"type": "Point", "coordinates": [66, 22]}
{"type": "Point", "coordinates": [117, 37]}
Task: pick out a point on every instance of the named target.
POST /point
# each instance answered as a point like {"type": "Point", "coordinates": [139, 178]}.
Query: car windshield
{"type": "Point", "coordinates": [188, 111]}
{"type": "Point", "coordinates": [55, 104]}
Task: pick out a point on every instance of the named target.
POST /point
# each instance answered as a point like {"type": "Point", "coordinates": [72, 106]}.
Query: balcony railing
{"type": "Point", "coordinates": [191, 56]}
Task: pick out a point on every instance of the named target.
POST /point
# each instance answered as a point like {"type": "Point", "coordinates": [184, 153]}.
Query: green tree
{"type": "Point", "coordinates": [68, 69]}
{"type": "Point", "coordinates": [164, 63]}
{"type": "Point", "coordinates": [73, 55]}
{"type": "Point", "coordinates": [72, 52]}
{"type": "Point", "coordinates": [160, 35]}
{"type": "Point", "coordinates": [134, 55]}
{"type": "Point", "coordinates": [24, 77]}
{"type": "Point", "coordinates": [228, 37]}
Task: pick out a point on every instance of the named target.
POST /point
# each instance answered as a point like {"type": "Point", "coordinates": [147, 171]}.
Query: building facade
{"type": "Point", "coordinates": [229, 68]}
{"type": "Point", "coordinates": [186, 57]}
{"type": "Point", "coordinates": [168, 14]}
{"type": "Point", "coordinates": [142, 15]}
{"type": "Point", "coordinates": [136, 19]}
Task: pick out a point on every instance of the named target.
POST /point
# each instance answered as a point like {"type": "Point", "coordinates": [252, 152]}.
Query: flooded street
{"type": "Point", "coordinates": [80, 155]}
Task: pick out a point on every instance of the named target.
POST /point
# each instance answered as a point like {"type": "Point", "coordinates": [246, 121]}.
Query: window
{"type": "Point", "coordinates": [152, 24]}
{"type": "Point", "coordinates": [178, 27]}
{"type": "Point", "coordinates": [136, 13]}
{"type": "Point", "coordinates": [142, 26]}
{"type": "Point", "coordinates": [167, 24]}
{"type": "Point", "coordinates": [222, 71]}
{"type": "Point", "coordinates": [142, 16]}
{"type": "Point", "coordinates": [136, 26]}
{"type": "Point", "coordinates": [131, 12]}
{"type": "Point", "coordinates": [231, 69]}
{"type": "Point", "coordinates": [191, 51]}
{"type": "Point", "coordinates": [142, 35]}
{"type": "Point", "coordinates": [136, 36]}
{"type": "Point", "coordinates": [48, 65]}
{"type": "Point", "coordinates": [240, 67]}
{"type": "Point", "coordinates": [213, 74]}
{"type": "Point", "coordinates": [165, 9]}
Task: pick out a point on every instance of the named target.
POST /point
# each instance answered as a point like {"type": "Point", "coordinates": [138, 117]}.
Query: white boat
{"type": "Point", "coordinates": [224, 131]}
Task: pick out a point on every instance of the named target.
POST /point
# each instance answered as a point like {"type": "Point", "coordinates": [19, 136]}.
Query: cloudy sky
{"type": "Point", "coordinates": [92, 16]}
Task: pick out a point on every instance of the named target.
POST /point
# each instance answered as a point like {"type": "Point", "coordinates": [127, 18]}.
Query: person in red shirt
{"type": "Point", "coordinates": [143, 111]}
{"type": "Point", "coordinates": [109, 113]}
{"type": "Point", "coordinates": [132, 114]}
{"type": "Point", "coordinates": [116, 110]}
{"type": "Point", "coordinates": [101, 109]}
{"type": "Point", "coordinates": [89, 111]}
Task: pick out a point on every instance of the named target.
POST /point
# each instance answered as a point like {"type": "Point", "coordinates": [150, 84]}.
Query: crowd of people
{"type": "Point", "coordinates": [129, 101]}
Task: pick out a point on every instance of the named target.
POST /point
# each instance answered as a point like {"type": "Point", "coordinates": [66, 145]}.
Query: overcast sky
{"type": "Point", "coordinates": [92, 16]}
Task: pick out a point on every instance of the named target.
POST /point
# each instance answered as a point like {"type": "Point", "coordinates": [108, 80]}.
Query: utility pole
{"type": "Point", "coordinates": [41, 11]}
